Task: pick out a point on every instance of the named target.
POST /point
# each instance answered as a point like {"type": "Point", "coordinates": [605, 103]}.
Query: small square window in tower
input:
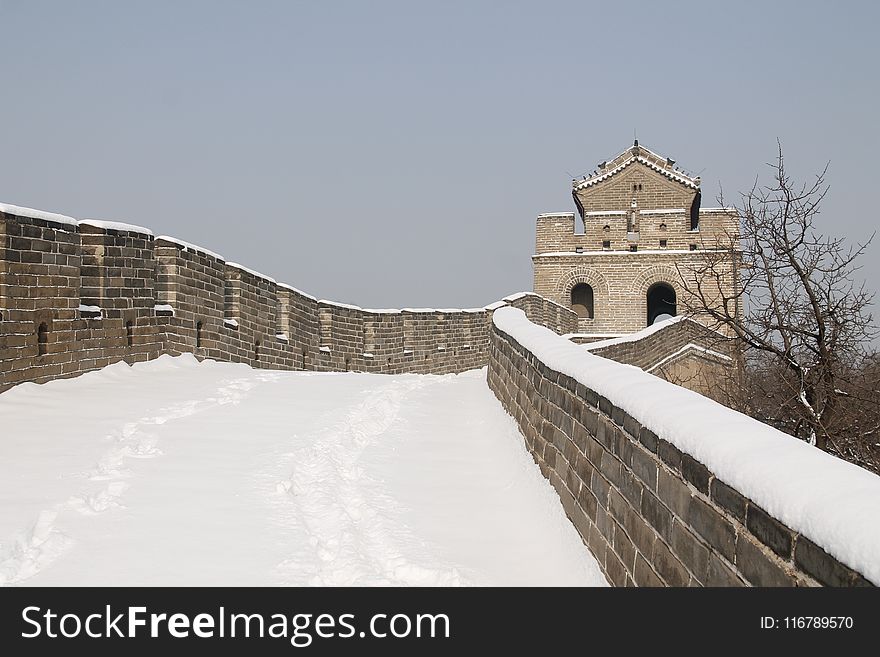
{"type": "Point", "coordinates": [606, 244]}
{"type": "Point", "coordinates": [662, 244]}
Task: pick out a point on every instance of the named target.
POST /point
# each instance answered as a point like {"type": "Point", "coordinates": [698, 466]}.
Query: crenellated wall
{"type": "Point", "coordinates": [78, 295]}
{"type": "Point", "coordinates": [668, 488]}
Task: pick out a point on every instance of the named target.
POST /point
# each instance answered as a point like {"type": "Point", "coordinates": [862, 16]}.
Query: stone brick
{"type": "Point", "coordinates": [712, 527]}
{"type": "Point", "coordinates": [587, 501]}
{"type": "Point", "coordinates": [644, 575]}
{"type": "Point", "coordinates": [719, 573]}
{"type": "Point", "coordinates": [670, 569]}
{"type": "Point", "coordinates": [623, 547]}
{"type": "Point", "coordinates": [600, 487]}
{"type": "Point", "coordinates": [826, 569]}
{"type": "Point", "coordinates": [673, 492]}
{"type": "Point", "coordinates": [657, 515]}
{"type": "Point", "coordinates": [670, 455]}
{"type": "Point", "coordinates": [610, 467]}
{"type": "Point", "coordinates": [605, 434]}
{"type": "Point", "coordinates": [596, 542]}
{"type": "Point", "coordinates": [631, 426]}
{"type": "Point", "coordinates": [590, 419]}
{"type": "Point", "coordinates": [618, 507]}
{"type": "Point", "coordinates": [631, 489]}
{"type": "Point", "coordinates": [617, 416]}
{"type": "Point", "coordinates": [696, 473]}
{"type": "Point", "coordinates": [644, 466]}
{"type": "Point", "coordinates": [649, 439]}
{"type": "Point", "coordinates": [729, 499]}
{"type": "Point", "coordinates": [691, 551]}
{"type": "Point", "coordinates": [641, 534]}
{"type": "Point", "coordinates": [614, 568]}
{"type": "Point", "coordinates": [769, 531]}
{"type": "Point", "coordinates": [759, 567]}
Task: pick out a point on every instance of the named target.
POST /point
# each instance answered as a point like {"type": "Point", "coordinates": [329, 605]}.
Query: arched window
{"type": "Point", "coordinates": [661, 302]}
{"type": "Point", "coordinates": [582, 300]}
{"type": "Point", "coordinates": [198, 335]}
{"type": "Point", "coordinates": [42, 338]}
{"type": "Point", "coordinates": [695, 212]}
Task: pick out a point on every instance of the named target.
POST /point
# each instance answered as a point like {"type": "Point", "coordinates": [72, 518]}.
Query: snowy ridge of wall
{"type": "Point", "coordinates": [666, 487]}
{"type": "Point", "coordinates": [78, 295]}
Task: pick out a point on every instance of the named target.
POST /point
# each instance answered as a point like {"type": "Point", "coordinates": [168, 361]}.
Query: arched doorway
{"type": "Point", "coordinates": [582, 300]}
{"type": "Point", "coordinates": [661, 302]}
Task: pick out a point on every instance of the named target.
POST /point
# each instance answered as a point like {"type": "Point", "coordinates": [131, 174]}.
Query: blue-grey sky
{"type": "Point", "coordinates": [396, 153]}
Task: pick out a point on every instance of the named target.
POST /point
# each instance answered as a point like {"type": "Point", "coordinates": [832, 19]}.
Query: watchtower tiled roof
{"type": "Point", "coordinates": [641, 155]}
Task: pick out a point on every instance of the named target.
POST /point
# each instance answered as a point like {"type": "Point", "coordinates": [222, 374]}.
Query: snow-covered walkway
{"type": "Point", "coordinates": [178, 473]}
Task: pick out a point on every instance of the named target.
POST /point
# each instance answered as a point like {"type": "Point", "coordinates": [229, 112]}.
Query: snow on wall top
{"type": "Point", "coordinates": [187, 246]}
{"type": "Point", "coordinates": [251, 271]}
{"type": "Point", "coordinates": [38, 214]}
{"type": "Point", "coordinates": [297, 290]}
{"type": "Point", "coordinates": [115, 225]}
{"type": "Point", "coordinates": [338, 304]}
{"type": "Point", "coordinates": [635, 337]}
{"type": "Point", "coordinates": [522, 295]}
{"type": "Point", "coordinates": [690, 346]}
{"type": "Point", "coordinates": [832, 502]}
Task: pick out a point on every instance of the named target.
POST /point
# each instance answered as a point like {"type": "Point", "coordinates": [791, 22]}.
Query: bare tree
{"type": "Point", "coordinates": [801, 319]}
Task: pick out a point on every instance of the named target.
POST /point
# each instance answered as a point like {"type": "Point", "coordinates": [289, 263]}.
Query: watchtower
{"type": "Point", "coordinates": [641, 225]}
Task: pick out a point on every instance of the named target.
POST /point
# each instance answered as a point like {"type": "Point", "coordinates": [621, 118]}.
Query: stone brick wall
{"type": "Point", "coordinates": [651, 515]}
{"type": "Point", "coordinates": [681, 351]}
{"type": "Point", "coordinates": [76, 296]}
{"type": "Point", "coordinates": [647, 350]}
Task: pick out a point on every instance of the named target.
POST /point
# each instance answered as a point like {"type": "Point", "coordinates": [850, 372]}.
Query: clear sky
{"type": "Point", "coordinates": [396, 153]}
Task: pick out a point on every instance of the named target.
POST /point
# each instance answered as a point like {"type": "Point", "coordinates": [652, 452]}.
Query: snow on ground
{"type": "Point", "coordinates": [178, 473]}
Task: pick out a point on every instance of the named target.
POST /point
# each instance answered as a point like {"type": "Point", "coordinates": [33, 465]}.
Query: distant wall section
{"type": "Point", "coordinates": [78, 295]}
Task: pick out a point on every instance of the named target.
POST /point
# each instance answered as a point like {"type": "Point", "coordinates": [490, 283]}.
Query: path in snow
{"type": "Point", "coordinates": [178, 473]}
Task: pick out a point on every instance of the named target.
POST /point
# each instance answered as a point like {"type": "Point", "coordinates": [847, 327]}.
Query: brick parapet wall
{"type": "Point", "coordinates": [647, 351]}
{"type": "Point", "coordinates": [159, 296]}
{"type": "Point", "coordinates": [650, 514]}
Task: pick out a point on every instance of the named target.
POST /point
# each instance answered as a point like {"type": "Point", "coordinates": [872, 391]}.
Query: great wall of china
{"type": "Point", "coordinates": [76, 296]}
